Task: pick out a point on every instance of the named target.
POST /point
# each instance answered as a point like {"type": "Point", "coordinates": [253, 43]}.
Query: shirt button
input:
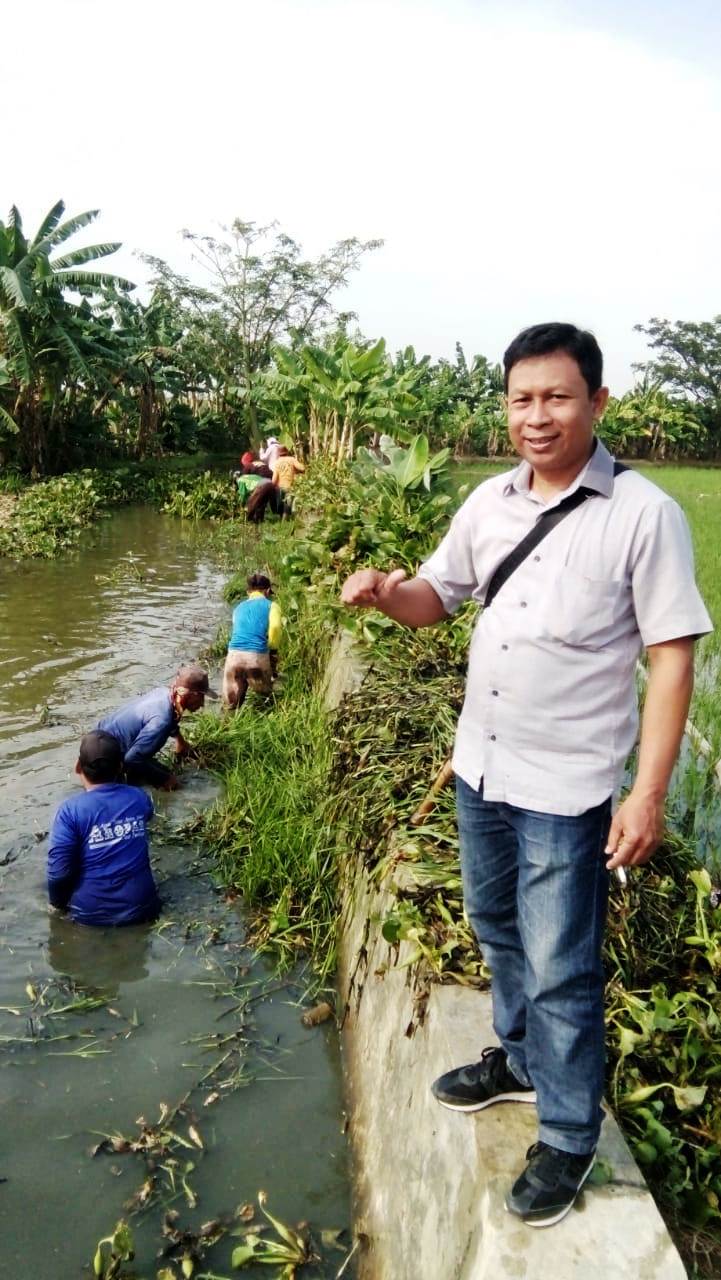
{"type": "Point", "coordinates": [536, 557]}
{"type": "Point", "coordinates": [523, 604]}
{"type": "Point", "coordinates": [493, 737]}
{"type": "Point", "coordinates": [494, 692]}
{"type": "Point", "coordinates": [504, 646]}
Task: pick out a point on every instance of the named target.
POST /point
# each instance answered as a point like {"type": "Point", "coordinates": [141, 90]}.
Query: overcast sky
{"type": "Point", "coordinates": [523, 161]}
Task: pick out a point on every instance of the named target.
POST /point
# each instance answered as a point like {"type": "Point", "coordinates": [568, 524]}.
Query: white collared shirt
{"type": "Point", "coordinates": [550, 711]}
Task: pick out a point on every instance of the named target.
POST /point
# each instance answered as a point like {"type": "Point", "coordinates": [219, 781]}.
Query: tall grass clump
{"type": "Point", "coordinates": [269, 835]}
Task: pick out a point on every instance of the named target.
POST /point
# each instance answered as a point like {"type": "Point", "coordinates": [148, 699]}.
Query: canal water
{"type": "Point", "coordinates": [102, 1030]}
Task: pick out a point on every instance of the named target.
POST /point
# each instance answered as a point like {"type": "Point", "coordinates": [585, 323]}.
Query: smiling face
{"type": "Point", "coordinates": [552, 416]}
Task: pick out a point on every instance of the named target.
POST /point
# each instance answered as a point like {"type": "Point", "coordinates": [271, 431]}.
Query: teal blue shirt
{"type": "Point", "coordinates": [251, 619]}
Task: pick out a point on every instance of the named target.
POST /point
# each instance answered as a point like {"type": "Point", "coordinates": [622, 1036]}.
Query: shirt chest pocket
{"type": "Point", "coordinates": [581, 611]}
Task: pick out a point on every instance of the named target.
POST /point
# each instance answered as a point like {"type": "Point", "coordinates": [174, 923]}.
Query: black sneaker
{"type": "Point", "coordinates": [549, 1184]}
{"type": "Point", "coordinates": [480, 1084]}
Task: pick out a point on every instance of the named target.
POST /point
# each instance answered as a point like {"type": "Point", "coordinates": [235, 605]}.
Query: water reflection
{"type": "Point", "coordinates": [99, 959]}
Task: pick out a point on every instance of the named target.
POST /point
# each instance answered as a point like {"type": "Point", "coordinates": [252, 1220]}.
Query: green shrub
{"type": "Point", "coordinates": [204, 497]}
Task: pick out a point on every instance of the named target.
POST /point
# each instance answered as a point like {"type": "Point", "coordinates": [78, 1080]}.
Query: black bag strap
{"type": "Point", "coordinates": [543, 526]}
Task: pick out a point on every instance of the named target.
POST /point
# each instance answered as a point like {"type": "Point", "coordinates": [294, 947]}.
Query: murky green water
{"type": "Point", "coordinates": [77, 636]}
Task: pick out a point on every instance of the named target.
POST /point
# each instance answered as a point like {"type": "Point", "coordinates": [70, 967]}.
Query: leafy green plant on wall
{"type": "Point", "coordinates": [377, 511]}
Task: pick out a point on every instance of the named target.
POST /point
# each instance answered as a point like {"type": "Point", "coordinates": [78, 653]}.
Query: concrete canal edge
{"type": "Point", "coordinates": [429, 1184]}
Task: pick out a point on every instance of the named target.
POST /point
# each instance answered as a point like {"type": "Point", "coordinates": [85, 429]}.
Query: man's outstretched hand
{"type": "Point", "coordinates": [371, 588]}
{"type": "Point", "coordinates": [410, 601]}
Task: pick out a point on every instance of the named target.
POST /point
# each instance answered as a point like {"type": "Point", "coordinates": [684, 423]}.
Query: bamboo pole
{"type": "Point", "coordinates": [428, 804]}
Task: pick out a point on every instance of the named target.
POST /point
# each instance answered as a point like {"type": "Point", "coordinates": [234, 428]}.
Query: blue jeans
{"type": "Point", "coordinates": [535, 888]}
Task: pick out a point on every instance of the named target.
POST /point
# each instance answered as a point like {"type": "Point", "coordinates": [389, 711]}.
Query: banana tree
{"type": "Point", "coordinates": [152, 371]}
{"type": "Point", "coordinates": [647, 422]}
{"type": "Point", "coordinates": [406, 469]}
{"type": "Point", "coordinates": [328, 395]}
{"type": "Point", "coordinates": [47, 339]}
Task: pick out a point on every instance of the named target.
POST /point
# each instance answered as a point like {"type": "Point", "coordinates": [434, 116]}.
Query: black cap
{"type": "Point", "coordinates": [100, 756]}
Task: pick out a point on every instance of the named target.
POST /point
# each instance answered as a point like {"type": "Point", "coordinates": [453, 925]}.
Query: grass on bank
{"type": "Point", "coordinates": [272, 834]}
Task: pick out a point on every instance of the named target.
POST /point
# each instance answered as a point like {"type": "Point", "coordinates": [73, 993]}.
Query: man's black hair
{"type": "Point", "coordinates": [544, 339]}
{"type": "Point", "coordinates": [100, 756]}
{"type": "Point", "coordinates": [259, 582]}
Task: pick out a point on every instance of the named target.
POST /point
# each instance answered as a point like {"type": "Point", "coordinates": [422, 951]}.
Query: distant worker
{"type": "Point", "coordinates": [266, 496]}
{"type": "Point", "coordinates": [144, 725]}
{"type": "Point", "coordinates": [98, 861]}
{"type": "Point", "coordinates": [284, 471]}
{"type": "Point", "coordinates": [254, 639]}
{"type": "Point", "coordinates": [269, 454]}
{"type": "Point", "coordinates": [247, 482]}
{"type": "Point", "coordinates": [252, 466]}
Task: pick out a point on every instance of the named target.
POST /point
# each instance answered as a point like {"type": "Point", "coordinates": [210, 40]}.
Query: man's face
{"type": "Point", "coordinates": [188, 699]}
{"type": "Point", "coordinates": [551, 416]}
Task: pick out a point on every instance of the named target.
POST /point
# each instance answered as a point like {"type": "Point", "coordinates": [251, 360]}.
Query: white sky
{"type": "Point", "coordinates": [524, 161]}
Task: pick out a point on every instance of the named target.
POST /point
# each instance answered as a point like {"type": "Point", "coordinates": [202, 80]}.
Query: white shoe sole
{"type": "Point", "coordinates": [557, 1217]}
{"type": "Point", "coordinates": [528, 1095]}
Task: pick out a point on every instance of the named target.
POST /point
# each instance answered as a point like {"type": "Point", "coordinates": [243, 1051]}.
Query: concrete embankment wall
{"type": "Point", "coordinates": [430, 1183]}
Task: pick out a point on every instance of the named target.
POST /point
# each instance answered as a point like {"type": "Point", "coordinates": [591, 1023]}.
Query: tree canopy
{"type": "Point", "coordinates": [255, 342]}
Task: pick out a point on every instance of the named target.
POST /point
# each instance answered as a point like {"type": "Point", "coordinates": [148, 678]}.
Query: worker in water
{"type": "Point", "coordinates": [144, 725]}
{"type": "Point", "coordinates": [98, 862]}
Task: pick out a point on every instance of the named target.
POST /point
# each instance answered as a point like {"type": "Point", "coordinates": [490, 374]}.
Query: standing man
{"type": "Point", "coordinates": [549, 718]}
{"type": "Point", "coordinates": [285, 469]}
{"type": "Point", "coordinates": [269, 454]}
{"type": "Point", "coordinates": [144, 725]}
{"type": "Point", "coordinates": [252, 659]}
